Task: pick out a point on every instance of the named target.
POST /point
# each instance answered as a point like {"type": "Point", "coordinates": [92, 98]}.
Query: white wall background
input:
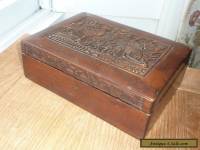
{"type": "Point", "coordinates": [13, 12]}
{"type": "Point", "coordinates": [161, 17]}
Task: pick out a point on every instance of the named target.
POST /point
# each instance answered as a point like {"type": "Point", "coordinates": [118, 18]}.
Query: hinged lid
{"type": "Point", "coordinates": [124, 62]}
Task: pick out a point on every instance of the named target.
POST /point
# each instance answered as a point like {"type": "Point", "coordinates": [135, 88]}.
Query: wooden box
{"type": "Point", "coordinates": [114, 71]}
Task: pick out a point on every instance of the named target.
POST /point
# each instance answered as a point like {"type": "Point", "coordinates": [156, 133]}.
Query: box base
{"type": "Point", "coordinates": [112, 110]}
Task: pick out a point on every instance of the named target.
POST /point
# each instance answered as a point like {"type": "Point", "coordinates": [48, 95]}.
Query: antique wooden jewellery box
{"type": "Point", "coordinates": [116, 72]}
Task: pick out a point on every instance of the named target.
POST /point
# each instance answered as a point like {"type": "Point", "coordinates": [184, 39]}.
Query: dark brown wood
{"type": "Point", "coordinates": [124, 62]}
{"type": "Point", "coordinates": [110, 109]}
{"type": "Point", "coordinates": [118, 73]}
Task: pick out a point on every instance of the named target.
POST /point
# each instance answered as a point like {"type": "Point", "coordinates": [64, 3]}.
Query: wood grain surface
{"type": "Point", "coordinates": [32, 117]}
{"type": "Point", "coordinates": [118, 69]}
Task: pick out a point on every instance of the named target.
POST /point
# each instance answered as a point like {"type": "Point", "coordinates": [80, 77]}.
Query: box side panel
{"type": "Point", "coordinates": [108, 108]}
{"type": "Point", "coordinates": [124, 62]}
{"type": "Point", "coordinates": [91, 78]}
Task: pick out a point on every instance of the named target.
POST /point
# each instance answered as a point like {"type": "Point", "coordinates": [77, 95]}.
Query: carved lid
{"type": "Point", "coordinates": [113, 45]}
{"type": "Point", "coordinates": [127, 63]}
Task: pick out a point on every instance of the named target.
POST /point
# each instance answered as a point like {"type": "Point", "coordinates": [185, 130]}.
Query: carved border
{"type": "Point", "coordinates": [150, 50]}
{"type": "Point", "coordinates": [83, 75]}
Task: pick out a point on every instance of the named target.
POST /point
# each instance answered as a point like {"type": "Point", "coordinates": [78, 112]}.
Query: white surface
{"type": "Point", "coordinates": [171, 17]}
{"type": "Point", "coordinates": [6, 3]}
{"type": "Point", "coordinates": [40, 20]}
{"type": "Point", "coordinates": [161, 17]}
{"type": "Point", "coordinates": [16, 12]}
{"type": "Point", "coordinates": [45, 4]}
{"type": "Point", "coordinates": [124, 8]}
